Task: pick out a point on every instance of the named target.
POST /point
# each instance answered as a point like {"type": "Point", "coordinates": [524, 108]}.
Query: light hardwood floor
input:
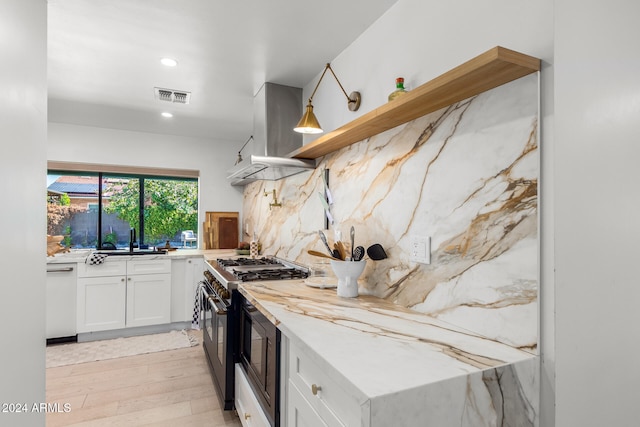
{"type": "Point", "coordinates": [167, 388]}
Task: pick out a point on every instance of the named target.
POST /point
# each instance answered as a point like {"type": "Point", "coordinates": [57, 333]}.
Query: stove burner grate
{"type": "Point", "coordinates": [270, 274]}
{"type": "Point", "coordinates": [247, 261]}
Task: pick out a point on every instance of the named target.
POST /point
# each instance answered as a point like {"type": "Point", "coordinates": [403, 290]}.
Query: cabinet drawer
{"type": "Point", "coordinates": [247, 405]}
{"type": "Point", "coordinates": [108, 268]}
{"type": "Point", "coordinates": [335, 406]}
{"type": "Point", "coordinates": [299, 411]}
{"type": "Point", "coordinates": [151, 266]}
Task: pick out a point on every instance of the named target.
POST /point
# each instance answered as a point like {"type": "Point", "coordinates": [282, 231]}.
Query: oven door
{"type": "Point", "coordinates": [259, 355]}
{"type": "Point", "coordinates": [217, 336]}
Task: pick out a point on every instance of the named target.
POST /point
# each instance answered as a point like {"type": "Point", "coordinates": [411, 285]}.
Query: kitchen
{"type": "Point", "coordinates": [552, 31]}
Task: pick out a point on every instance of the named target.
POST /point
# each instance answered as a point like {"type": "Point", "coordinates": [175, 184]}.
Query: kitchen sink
{"type": "Point", "coordinates": [134, 252]}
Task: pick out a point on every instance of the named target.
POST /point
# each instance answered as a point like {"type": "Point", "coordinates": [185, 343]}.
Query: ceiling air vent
{"type": "Point", "coordinates": [170, 95]}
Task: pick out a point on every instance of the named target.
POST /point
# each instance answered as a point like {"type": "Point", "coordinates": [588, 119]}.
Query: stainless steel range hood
{"type": "Point", "coordinates": [276, 110]}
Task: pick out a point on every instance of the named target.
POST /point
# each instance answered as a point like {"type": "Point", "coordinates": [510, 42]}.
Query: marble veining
{"type": "Point", "coordinates": [467, 176]}
{"type": "Point", "coordinates": [374, 326]}
{"type": "Point", "coordinates": [502, 396]}
{"type": "Point", "coordinates": [405, 367]}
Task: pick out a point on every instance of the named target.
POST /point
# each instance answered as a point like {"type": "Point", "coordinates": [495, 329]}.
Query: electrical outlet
{"type": "Point", "coordinates": [420, 249]}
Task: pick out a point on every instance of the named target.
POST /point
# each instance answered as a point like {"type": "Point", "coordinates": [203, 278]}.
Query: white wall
{"type": "Point", "coordinates": [23, 121]}
{"type": "Point", "coordinates": [597, 109]}
{"type": "Point", "coordinates": [420, 40]}
{"type": "Point", "coordinates": [85, 144]}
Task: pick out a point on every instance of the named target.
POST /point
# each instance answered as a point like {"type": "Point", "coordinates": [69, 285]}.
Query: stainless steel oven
{"type": "Point", "coordinates": [260, 357]}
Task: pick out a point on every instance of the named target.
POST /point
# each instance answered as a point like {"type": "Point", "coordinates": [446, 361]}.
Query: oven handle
{"type": "Point", "coordinates": [215, 303]}
{"type": "Point", "coordinates": [250, 308]}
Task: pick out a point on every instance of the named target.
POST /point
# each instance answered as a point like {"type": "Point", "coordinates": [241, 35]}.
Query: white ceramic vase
{"type": "Point", "coordinates": [347, 273]}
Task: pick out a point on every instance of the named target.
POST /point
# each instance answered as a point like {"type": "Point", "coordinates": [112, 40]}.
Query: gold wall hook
{"type": "Point", "coordinates": [275, 202]}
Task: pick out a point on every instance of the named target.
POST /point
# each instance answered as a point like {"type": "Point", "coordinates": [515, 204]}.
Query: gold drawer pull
{"type": "Point", "coordinates": [315, 389]}
{"type": "Point", "coordinates": [247, 416]}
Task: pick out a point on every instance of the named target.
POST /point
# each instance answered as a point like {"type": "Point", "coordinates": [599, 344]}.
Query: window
{"type": "Point", "coordinates": [96, 209]}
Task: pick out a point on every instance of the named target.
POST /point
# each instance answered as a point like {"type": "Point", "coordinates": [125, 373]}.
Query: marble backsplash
{"type": "Point", "coordinates": [466, 176]}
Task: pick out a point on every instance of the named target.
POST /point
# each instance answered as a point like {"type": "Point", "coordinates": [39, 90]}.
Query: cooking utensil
{"type": "Point", "coordinates": [341, 250]}
{"type": "Point", "coordinates": [376, 252]}
{"type": "Point", "coordinates": [358, 253]}
{"type": "Point", "coordinates": [319, 254]}
{"type": "Point", "coordinates": [324, 240]}
{"type": "Point", "coordinates": [352, 234]}
{"type": "Point", "coordinates": [327, 209]}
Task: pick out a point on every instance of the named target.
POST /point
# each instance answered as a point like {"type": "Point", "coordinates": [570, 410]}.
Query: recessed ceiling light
{"type": "Point", "coordinates": [167, 115]}
{"type": "Point", "coordinates": [169, 62]}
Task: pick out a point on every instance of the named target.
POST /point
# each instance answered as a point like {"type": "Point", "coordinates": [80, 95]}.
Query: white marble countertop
{"type": "Point", "coordinates": [379, 347]}
{"type": "Point", "coordinates": [80, 255]}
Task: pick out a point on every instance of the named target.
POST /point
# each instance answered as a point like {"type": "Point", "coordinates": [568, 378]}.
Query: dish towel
{"type": "Point", "coordinates": [197, 306]}
{"type": "Point", "coordinates": [95, 259]}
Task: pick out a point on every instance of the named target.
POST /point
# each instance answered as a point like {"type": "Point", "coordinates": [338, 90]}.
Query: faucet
{"type": "Point", "coordinates": [132, 239]}
{"type": "Point", "coordinates": [275, 202]}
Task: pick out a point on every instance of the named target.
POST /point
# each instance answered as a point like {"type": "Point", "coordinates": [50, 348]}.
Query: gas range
{"type": "Point", "coordinates": [228, 318]}
{"type": "Point", "coordinates": [231, 271]}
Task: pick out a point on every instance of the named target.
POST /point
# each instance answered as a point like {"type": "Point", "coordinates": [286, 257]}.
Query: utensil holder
{"type": "Point", "coordinates": [347, 273]}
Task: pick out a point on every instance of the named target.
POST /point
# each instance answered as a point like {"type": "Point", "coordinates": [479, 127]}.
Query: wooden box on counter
{"type": "Point", "coordinates": [221, 230]}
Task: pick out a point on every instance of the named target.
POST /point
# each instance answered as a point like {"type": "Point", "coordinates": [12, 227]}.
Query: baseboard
{"type": "Point", "coordinates": [131, 332]}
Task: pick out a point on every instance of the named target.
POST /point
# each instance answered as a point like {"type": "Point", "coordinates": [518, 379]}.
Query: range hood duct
{"type": "Point", "coordinates": [276, 110]}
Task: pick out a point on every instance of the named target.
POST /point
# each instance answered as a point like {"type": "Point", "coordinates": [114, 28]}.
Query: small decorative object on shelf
{"type": "Point", "coordinates": [400, 90]}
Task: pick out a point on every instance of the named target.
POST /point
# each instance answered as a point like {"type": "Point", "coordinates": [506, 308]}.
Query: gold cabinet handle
{"type": "Point", "coordinates": [247, 415]}
{"type": "Point", "coordinates": [315, 389]}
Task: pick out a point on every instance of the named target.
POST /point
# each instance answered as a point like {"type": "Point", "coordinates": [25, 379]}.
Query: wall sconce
{"type": "Point", "coordinates": [239, 159]}
{"type": "Point", "coordinates": [309, 123]}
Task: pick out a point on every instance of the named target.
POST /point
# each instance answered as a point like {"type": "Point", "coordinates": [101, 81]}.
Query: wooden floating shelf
{"type": "Point", "coordinates": [491, 69]}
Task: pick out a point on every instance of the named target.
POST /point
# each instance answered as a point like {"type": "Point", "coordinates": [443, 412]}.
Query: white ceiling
{"type": "Point", "coordinates": [104, 58]}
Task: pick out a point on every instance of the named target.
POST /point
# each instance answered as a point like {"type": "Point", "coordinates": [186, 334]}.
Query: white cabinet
{"type": "Point", "coordinates": [101, 303]}
{"type": "Point", "coordinates": [148, 292]}
{"type": "Point", "coordinates": [315, 393]}
{"type": "Point", "coordinates": [193, 275]}
{"type": "Point", "coordinates": [119, 294]}
{"type": "Point", "coordinates": [148, 299]}
{"type": "Point", "coordinates": [247, 405]}
{"type": "Point", "coordinates": [61, 300]}
{"type": "Point", "coordinates": [102, 295]}
{"type": "Point", "coordinates": [185, 275]}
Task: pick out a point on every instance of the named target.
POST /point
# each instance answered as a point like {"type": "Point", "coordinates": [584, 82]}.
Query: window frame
{"type": "Point", "coordinates": [140, 173]}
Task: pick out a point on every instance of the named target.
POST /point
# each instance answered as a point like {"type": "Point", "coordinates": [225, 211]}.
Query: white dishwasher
{"type": "Point", "coordinates": [61, 300]}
